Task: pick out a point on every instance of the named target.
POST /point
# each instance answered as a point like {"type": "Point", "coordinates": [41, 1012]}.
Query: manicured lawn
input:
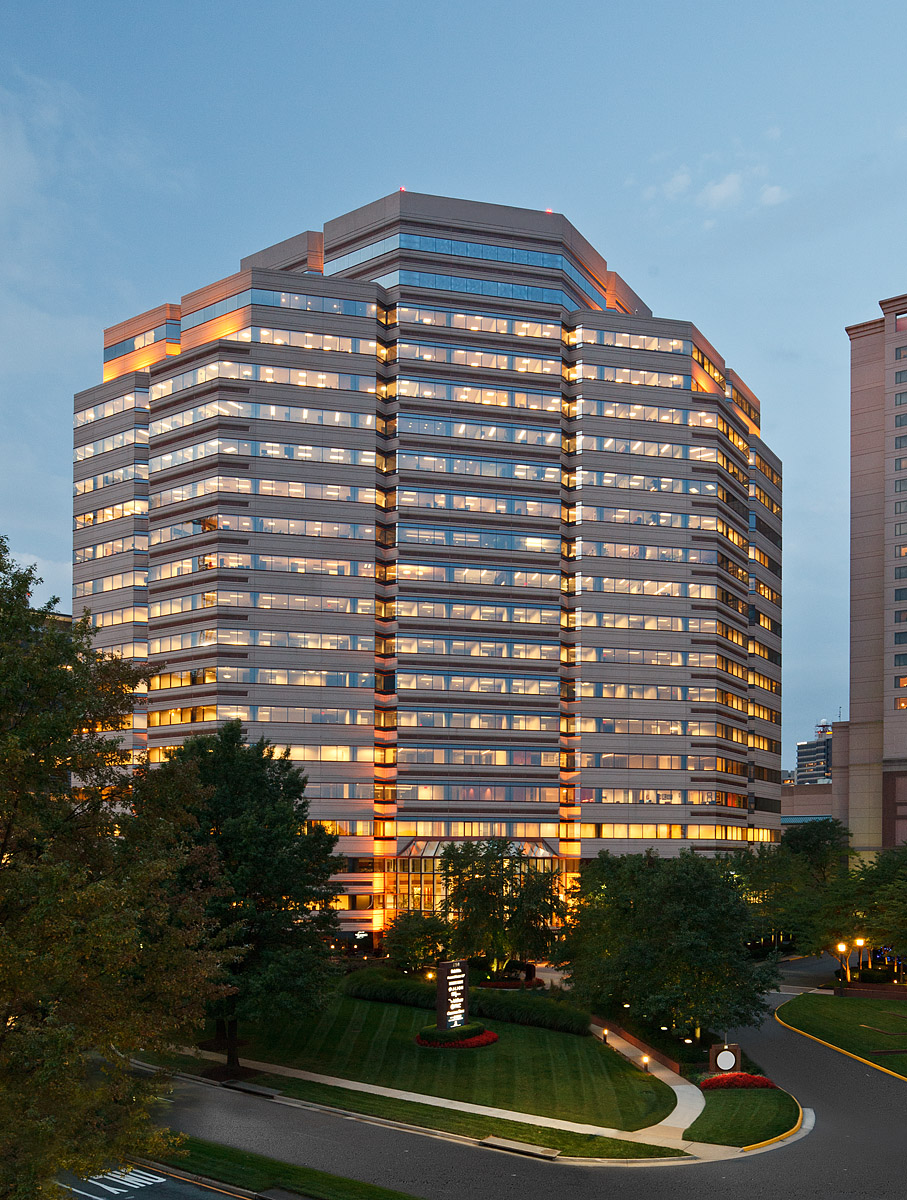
{"type": "Point", "coordinates": [744, 1116]}
{"type": "Point", "coordinates": [861, 1024]}
{"type": "Point", "coordinates": [257, 1174]}
{"type": "Point", "coordinates": [528, 1070]}
{"type": "Point", "coordinates": [576, 1145]}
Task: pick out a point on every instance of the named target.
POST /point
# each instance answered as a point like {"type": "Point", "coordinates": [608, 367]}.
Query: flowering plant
{"type": "Point", "coordinates": [736, 1079]}
{"type": "Point", "coordinates": [482, 1039]}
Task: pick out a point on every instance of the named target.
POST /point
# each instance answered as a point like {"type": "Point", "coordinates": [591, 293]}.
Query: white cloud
{"type": "Point", "coordinates": [678, 184]}
{"type": "Point", "coordinates": [722, 193]}
{"type": "Point", "coordinates": [772, 194]}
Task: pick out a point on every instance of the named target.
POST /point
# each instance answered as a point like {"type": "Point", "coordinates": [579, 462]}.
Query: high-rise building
{"type": "Point", "coordinates": [434, 500]}
{"type": "Point", "coordinates": [870, 780]}
{"type": "Point", "coordinates": [814, 757]}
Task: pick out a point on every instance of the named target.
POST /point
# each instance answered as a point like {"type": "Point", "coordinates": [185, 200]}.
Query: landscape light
{"type": "Point", "coordinates": [841, 947]}
{"type": "Point", "coordinates": [645, 1062]}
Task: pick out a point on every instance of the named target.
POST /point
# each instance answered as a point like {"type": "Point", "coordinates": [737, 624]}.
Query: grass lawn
{"type": "Point", "coordinates": [575, 1145]}
{"type": "Point", "coordinates": [529, 1070]}
{"type": "Point", "coordinates": [744, 1116]}
{"type": "Point", "coordinates": [861, 1024]}
{"type": "Point", "coordinates": [257, 1174]}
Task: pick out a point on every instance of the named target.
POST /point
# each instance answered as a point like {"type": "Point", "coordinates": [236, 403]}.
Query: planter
{"type": "Point", "coordinates": [659, 1056]}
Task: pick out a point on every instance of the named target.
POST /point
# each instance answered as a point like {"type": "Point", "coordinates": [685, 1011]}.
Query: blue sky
{"type": "Point", "coordinates": [741, 167]}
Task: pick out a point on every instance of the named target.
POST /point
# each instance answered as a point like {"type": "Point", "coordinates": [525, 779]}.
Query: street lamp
{"type": "Point", "coordinates": [844, 954]}
{"type": "Point", "coordinates": [860, 943]}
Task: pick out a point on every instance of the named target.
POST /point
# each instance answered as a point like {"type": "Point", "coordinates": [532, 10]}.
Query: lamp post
{"type": "Point", "coordinates": [844, 958]}
{"type": "Point", "coordinates": [860, 943]}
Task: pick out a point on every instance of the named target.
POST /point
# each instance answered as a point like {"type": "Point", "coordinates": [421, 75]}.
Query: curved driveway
{"type": "Point", "coordinates": [855, 1151]}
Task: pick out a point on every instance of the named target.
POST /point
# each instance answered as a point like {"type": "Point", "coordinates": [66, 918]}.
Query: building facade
{"type": "Point", "coordinates": [432, 499]}
{"type": "Point", "coordinates": [870, 780]}
{"type": "Point", "coordinates": [814, 757]}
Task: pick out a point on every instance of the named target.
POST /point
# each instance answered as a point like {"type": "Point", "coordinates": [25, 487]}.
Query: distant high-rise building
{"type": "Point", "coordinates": [814, 759]}
{"type": "Point", "coordinates": [433, 500]}
{"type": "Point", "coordinates": [871, 794]}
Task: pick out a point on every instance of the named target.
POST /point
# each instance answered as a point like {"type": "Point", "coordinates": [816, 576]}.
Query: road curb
{"type": "Point", "coordinates": [215, 1185]}
{"type": "Point", "coordinates": [781, 1136]}
{"type": "Point", "coordinates": [865, 1061]}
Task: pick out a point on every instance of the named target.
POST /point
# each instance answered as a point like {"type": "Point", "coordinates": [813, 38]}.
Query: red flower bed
{"type": "Point", "coordinates": [736, 1079]}
{"type": "Point", "coordinates": [483, 1039]}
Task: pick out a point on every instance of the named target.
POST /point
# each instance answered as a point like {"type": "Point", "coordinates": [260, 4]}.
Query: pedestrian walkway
{"type": "Point", "coordinates": [690, 1100]}
{"type": "Point", "coordinates": [667, 1133]}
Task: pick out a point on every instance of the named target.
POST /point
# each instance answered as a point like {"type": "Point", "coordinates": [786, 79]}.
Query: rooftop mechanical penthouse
{"type": "Point", "coordinates": [434, 500]}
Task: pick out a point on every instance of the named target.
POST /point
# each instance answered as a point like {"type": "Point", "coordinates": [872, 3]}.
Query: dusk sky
{"type": "Point", "coordinates": [743, 167]}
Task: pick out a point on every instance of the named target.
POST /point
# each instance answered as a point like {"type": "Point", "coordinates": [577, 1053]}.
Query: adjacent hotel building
{"type": "Point", "coordinates": [434, 500]}
{"type": "Point", "coordinates": [869, 784]}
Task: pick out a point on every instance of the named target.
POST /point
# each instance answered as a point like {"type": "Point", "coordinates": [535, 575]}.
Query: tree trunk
{"type": "Point", "coordinates": [232, 1043]}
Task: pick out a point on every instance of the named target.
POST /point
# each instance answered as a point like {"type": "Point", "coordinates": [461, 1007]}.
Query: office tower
{"type": "Point", "coordinates": [434, 500]}
{"type": "Point", "coordinates": [814, 757]}
{"type": "Point", "coordinates": [871, 759]}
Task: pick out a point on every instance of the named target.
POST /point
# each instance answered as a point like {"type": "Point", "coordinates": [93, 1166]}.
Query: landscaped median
{"type": "Point", "coordinates": [535, 1084]}
{"type": "Point", "coordinates": [745, 1116]}
{"type": "Point", "coordinates": [873, 1029]}
{"type": "Point", "coordinates": [529, 1070]}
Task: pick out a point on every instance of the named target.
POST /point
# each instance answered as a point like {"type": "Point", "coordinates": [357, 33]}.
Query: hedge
{"type": "Point", "coordinates": [518, 1008]}
{"type": "Point", "coordinates": [431, 1033]}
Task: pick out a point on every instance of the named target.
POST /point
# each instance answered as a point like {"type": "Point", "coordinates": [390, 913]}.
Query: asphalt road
{"type": "Point", "coordinates": [856, 1149]}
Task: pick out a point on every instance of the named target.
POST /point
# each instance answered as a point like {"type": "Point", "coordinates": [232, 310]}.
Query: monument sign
{"type": "Point", "coordinates": [453, 993]}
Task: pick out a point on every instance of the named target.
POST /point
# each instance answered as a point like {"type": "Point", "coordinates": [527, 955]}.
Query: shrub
{"type": "Point", "coordinates": [431, 1035]}
{"type": "Point", "coordinates": [521, 1008]}
{"type": "Point", "coordinates": [670, 1042]}
{"type": "Point", "coordinates": [380, 983]}
{"type": "Point", "coordinates": [872, 975]}
{"type": "Point", "coordinates": [735, 1079]}
{"type": "Point", "coordinates": [486, 1038]}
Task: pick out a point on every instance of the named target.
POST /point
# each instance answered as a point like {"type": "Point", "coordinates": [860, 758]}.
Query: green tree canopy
{"type": "Point", "coordinates": [668, 937]}
{"type": "Point", "coordinates": [883, 890]}
{"type": "Point", "coordinates": [822, 846]}
{"type": "Point", "coordinates": [414, 940]}
{"type": "Point", "coordinates": [500, 903]}
{"type": "Point", "coordinates": [101, 952]}
{"type": "Point", "coordinates": [276, 891]}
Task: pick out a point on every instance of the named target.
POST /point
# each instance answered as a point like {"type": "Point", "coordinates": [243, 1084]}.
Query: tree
{"type": "Point", "coordinates": [100, 954]}
{"type": "Point", "coordinates": [668, 937]}
{"type": "Point", "coordinates": [414, 940]}
{"type": "Point", "coordinates": [823, 846]}
{"type": "Point", "coordinates": [501, 904]}
{"type": "Point", "coordinates": [883, 885]}
{"type": "Point", "coordinates": [276, 894]}
{"type": "Point", "coordinates": [769, 879]}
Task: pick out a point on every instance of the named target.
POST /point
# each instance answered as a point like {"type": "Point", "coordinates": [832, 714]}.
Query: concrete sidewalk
{"type": "Point", "coordinates": [690, 1100]}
